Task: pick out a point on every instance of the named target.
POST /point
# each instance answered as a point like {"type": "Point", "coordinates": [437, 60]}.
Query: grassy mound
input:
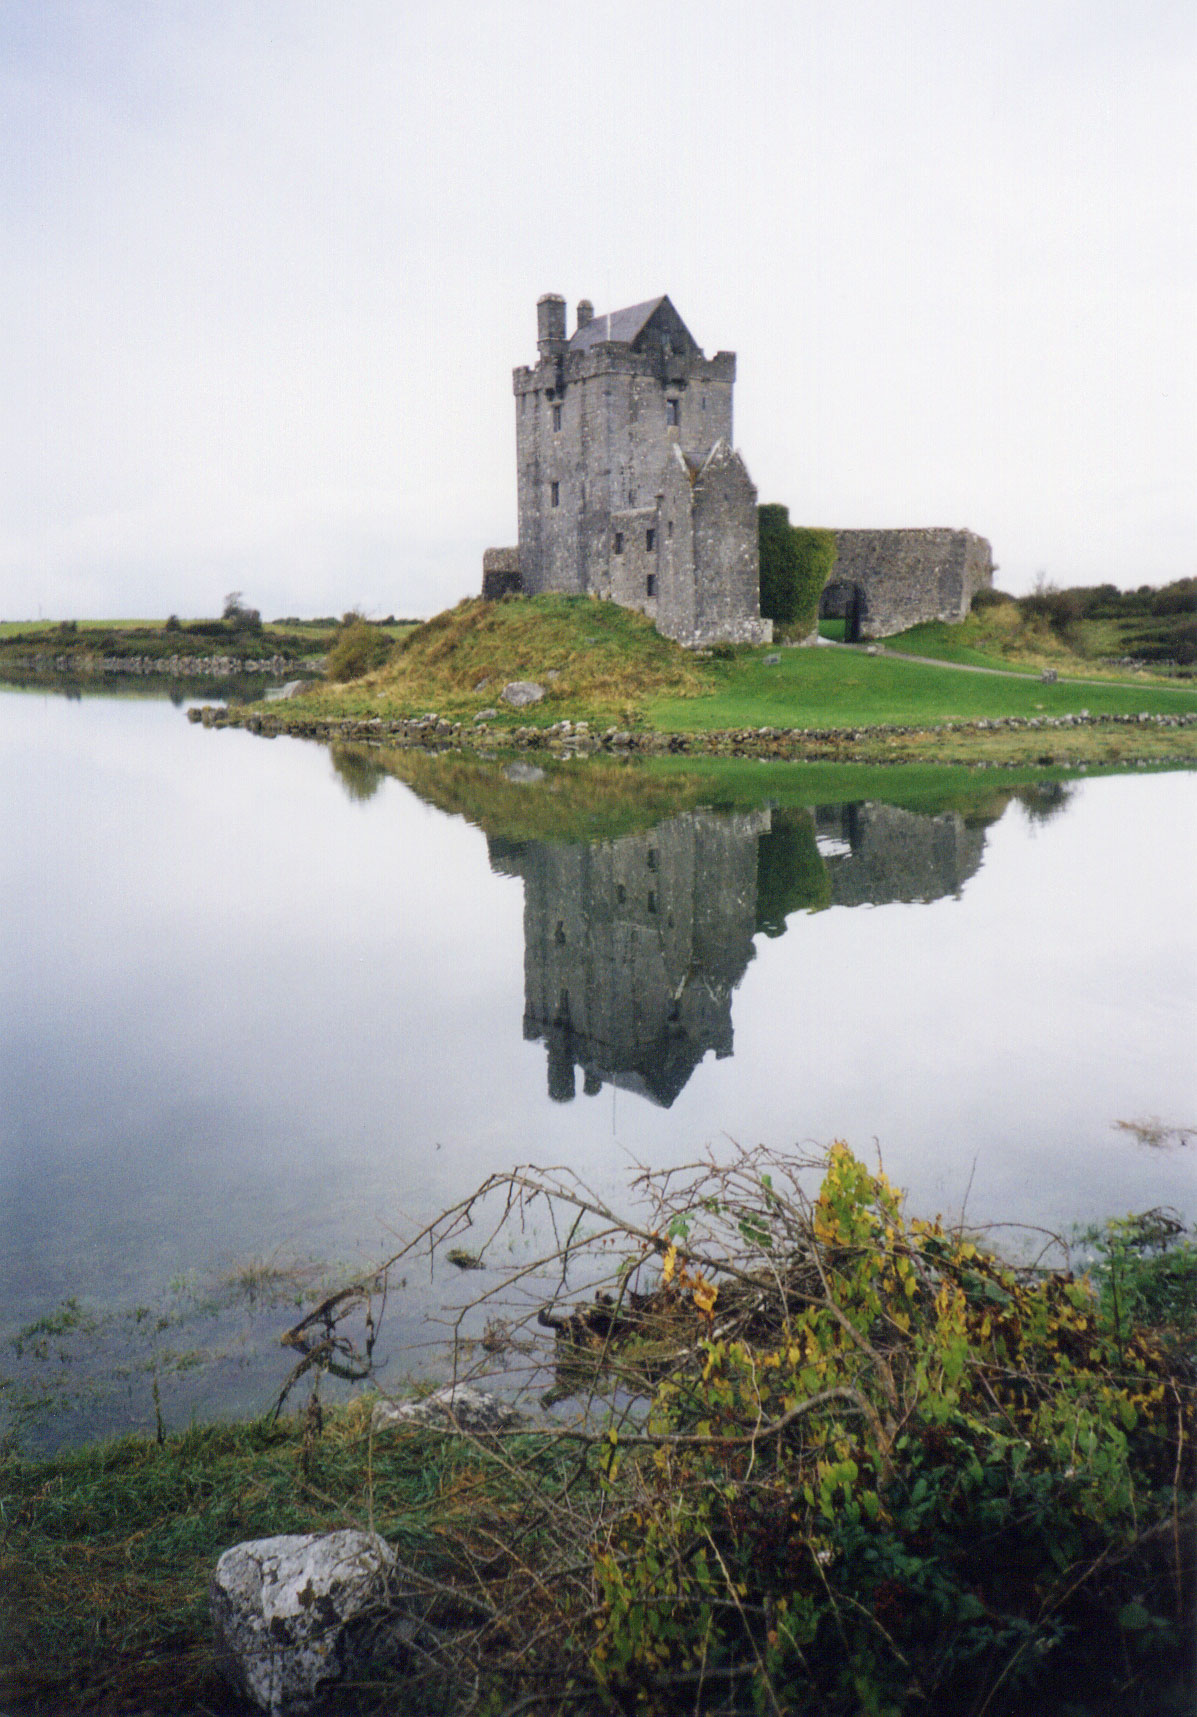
{"type": "Point", "coordinates": [593, 658]}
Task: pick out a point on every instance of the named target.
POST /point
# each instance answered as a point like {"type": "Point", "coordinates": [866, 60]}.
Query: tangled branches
{"type": "Point", "coordinates": [822, 1457]}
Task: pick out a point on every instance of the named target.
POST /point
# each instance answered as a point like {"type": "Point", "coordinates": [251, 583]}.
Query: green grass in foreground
{"type": "Point", "coordinates": [847, 688]}
{"type": "Point", "coordinates": [107, 1551]}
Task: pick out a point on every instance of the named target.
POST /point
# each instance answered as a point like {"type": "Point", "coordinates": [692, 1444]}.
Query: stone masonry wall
{"type": "Point", "coordinates": [501, 573]}
{"type": "Point", "coordinates": [904, 577]}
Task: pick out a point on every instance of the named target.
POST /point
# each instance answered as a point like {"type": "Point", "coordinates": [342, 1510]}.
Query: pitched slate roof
{"type": "Point", "coordinates": [621, 325]}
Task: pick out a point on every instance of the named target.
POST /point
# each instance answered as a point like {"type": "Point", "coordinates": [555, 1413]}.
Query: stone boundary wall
{"type": "Point", "coordinates": [501, 574]}
{"type": "Point", "coordinates": [908, 576]}
{"type": "Point", "coordinates": [189, 667]}
{"type": "Point", "coordinates": [434, 733]}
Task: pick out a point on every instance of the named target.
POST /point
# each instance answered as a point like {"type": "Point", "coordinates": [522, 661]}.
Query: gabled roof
{"type": "Point", "coordinates": [625, 326]}
{"type": "Point", "coordinates": [621, 325]}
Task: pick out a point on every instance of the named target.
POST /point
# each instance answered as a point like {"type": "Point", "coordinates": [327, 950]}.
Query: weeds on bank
{"type": "Point", "coordinates": [819, 1456]}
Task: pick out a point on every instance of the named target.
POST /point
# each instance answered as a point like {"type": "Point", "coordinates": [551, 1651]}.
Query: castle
{"type": "Point", "coordinates": [628, 485]}
{"type": "Point", "coordinates": [629, 488]}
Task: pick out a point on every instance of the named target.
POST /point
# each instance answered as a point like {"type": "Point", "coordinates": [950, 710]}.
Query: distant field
{"type": "Point", "coordinates": [9, 628]}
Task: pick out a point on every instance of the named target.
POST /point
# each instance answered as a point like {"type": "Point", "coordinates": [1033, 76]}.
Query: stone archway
{"type": "Point", "coordinates": [842, 600]}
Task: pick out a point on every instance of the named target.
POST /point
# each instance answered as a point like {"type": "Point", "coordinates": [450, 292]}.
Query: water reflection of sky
{"type": "Point", "coordinates": [248, 1010]}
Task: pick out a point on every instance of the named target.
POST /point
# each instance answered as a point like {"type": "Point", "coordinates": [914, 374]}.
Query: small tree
{"type": "Point", "coordinates": [796, 562]}
{"type": "Point", "coordinates": [239, 615]}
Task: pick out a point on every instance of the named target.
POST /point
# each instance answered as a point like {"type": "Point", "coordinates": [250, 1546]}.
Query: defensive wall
{"type": "Point", "coordinates": [885, 581]}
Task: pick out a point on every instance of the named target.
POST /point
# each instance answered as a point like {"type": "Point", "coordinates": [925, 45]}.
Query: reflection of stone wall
{"type": "Point", "coordinates": [633, 947]}
{"type": "Point", "coordinates": [895, 855]}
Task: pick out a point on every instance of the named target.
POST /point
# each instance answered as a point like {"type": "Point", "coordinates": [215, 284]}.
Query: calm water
{"type": "Point", "coordinates": [264, 1005]}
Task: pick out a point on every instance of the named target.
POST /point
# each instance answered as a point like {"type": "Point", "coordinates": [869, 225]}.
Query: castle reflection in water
{"type": "Point", "coordinates": [633, 946]}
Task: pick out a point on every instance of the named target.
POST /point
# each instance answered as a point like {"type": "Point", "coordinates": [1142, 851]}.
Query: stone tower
{"type": "Point", "coordinates": [628, 484]}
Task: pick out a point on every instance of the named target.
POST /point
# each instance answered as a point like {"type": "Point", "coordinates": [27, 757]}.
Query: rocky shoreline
{"type": "Point", "coordinates": [581, 739]}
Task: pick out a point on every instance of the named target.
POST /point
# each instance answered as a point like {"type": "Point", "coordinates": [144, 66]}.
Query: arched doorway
{"type": "Point", "coordinates": [844, 601]}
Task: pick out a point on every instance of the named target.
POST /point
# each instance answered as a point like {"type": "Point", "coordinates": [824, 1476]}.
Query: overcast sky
{"type": "Point", "coordinates": [266, 267]}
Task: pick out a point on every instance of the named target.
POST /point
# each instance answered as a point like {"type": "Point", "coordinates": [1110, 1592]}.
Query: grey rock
{"type": "Point", "coordinates": [482, 685]}
{"type": "Point", "coordinates": [1049, 676]}
{"type": "Point", "coordinates": [523, 774]}
{"type": "Point", "coordinates": [521, 692]}
{"type": "Point", "coordinates": [454, 1407]}
{"type": "Point", "coordinates": [771, 661]}
{"type": "Point", "coordinates": [291, 1615]}
{"type": "Point", "coordinates": [486, 714]}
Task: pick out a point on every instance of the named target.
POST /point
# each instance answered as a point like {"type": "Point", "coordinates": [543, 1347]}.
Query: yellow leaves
{"type": "Point", "coordinates": [672, 1270]}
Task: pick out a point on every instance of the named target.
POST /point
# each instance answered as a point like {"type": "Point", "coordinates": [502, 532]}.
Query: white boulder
{"type": "Point", "coordinates": [291, 1614]}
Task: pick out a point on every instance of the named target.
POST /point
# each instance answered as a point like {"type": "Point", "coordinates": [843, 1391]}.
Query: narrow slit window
{"type": "Point", "coordinates": [669, 530]}
{"type": "Point", "coordinates": [556, 417]}
{"type": "Point", "coordinates": [650, 540]}
{"type": "Point", "coordinates": [554, 494]}
{"type": "Point", "coordinates": [650, 584]}
{"type": "Point", "coordinates": [672, 413]}
{"type": "Point", "coordinates": [618, 542]}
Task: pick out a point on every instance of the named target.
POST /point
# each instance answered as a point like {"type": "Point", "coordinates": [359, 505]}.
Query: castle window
{"type": "Point", "coordinates": [651, 860]}
{"type": "Point", "coordinates": [672, 413]}
{"type": "Point", "coordinates": [652, 901]}
{"type": "Point", "coordinates": [619, 542]}
{"type": "Point", "coordinates": [650, 584]}
{"type": "Point", "coordinates": [669, 530]}
{"type": "Point", "coordinates": [650, 540]}
{"type": "Point", "coordinates": [556, 417]}
{"type": "Point", "coordinates": [554, 494]}
{"type": "Point", "coordinates": [704, 402]}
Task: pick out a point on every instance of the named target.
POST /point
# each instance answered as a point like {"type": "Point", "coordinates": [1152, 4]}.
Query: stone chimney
{"type": "Point", "coordinates": [585, 313]}
{"type": "Point", "coordinates": [550, 324]}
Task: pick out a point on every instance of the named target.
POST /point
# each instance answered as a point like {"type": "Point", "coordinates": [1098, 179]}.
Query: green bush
{"type": "Point", "coordinates": [359, 649]}
{"type": "Point", "coordinates": [919, 1482]}
{"type": "Point", "coordinates": [796, 562]}
{"type": "Point", "coordinates": [987, 597]}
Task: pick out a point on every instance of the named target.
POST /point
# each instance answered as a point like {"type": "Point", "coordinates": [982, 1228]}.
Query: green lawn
{"type": "Point", "coordinates": [826, 688]}
{"type": "Point", "coordinates": [946, 644]}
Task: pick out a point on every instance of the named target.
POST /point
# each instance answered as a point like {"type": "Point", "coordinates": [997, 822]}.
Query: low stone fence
{"type": "Point", "coordinates": [193, 667]}
{"type": "Point", "coordinates": [574, 739]}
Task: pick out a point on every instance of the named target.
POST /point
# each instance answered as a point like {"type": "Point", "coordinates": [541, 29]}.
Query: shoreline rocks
{"type": "Point", "coordinates": [567, 739]}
